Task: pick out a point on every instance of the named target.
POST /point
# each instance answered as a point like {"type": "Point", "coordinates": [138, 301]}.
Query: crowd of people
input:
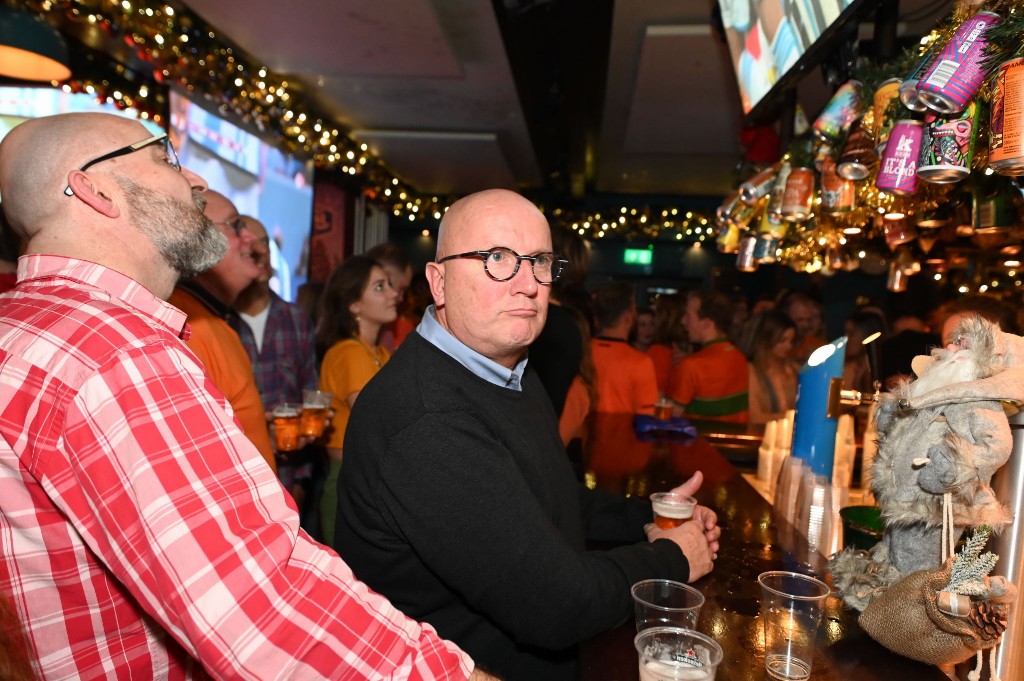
{"type": "Point", "coordinates": [438, 529]}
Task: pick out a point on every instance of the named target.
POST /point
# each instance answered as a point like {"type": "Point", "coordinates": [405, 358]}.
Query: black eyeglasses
{"type": "Point", "coordinates": [172, 155]}
{"type": "Point", "coordinates": [501, 264]}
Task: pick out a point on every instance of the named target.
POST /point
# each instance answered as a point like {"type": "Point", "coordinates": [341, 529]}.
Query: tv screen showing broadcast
{"type": "Point", "coordinates": [260, 179]}
{"type": "Point", "coordinates": [768, 37]}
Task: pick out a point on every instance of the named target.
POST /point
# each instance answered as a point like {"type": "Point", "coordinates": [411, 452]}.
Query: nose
{"type": "Point", "coordinates": [195, 180]}
{"type": "Point", "coordinates": [524, 282]}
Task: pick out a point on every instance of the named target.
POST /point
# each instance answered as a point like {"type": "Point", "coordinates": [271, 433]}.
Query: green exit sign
{"type": "Point", "coordinates": [637, 256]}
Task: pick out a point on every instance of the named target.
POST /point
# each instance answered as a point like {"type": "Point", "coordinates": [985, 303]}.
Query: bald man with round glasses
{"type": "Point", "coordinates": [144, 535]}
{"type": "Point", "coordinates": [456, 498]}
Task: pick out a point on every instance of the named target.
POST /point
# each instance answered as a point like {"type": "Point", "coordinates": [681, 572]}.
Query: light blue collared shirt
{"type": "Point", "coordinates": [481, 366]}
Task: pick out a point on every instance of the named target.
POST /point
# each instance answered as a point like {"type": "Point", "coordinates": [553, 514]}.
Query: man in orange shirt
{"type": "Point", "coordinates": [712, 382]}
{"type": "Point", "coordinates": [207, 300]}
{"type": "Point", "coordinates": [626, 381]}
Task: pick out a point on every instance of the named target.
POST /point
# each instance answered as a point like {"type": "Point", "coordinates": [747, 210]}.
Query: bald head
{"type": "Point", "coordinates": [498, 319]}
{"type": "Point", "coordinates": [481, 212]}
{"type": "Point", "coordinates": [37, 155]}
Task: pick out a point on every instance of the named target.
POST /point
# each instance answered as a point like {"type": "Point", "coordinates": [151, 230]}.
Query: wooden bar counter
{"type": "Point", "coordinates": [753, 541]}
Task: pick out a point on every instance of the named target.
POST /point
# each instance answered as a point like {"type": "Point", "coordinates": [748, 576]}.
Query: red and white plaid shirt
{"type": "Point", "coordinates": [140, 532]}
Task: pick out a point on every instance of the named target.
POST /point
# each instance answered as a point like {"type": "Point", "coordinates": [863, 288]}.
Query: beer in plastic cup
{"type": "Point", "coordinates": [315, 405]}
{"type": "Point", "coordinates": [671, 510]}
{"type": "Point", "coordinates": [675, 654]}
{"type": "Point", "coordinates": [663, 409]}
{"type": "Point", "coordinates": [286, 426]}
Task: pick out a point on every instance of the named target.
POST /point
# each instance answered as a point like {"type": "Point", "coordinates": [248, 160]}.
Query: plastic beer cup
{"type": "Point", "coordinates": [286, 426]}
{"type": "Point", "coordinates": [315, 405]}
{"type": "Point", "coordinates": [671, 510]}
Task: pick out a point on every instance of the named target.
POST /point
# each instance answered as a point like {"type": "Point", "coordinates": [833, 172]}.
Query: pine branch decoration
{"type": "Point", "coordinates": [1003, 39]}
{"type": "Point", "coordinates": [971, 566]}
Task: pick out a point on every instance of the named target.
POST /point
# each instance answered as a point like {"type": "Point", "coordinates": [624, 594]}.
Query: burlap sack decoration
{"type": "Point", "coordinates": [906, 619]}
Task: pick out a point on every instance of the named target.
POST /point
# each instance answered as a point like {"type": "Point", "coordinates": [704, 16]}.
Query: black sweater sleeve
{"type": "Point", "coordinates": [460, 500]}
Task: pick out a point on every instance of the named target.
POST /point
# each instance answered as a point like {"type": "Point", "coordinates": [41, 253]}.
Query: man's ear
{"type": "Point", "coordinates": [435, 278]}
{"type": "Point", "coordinates": [92, 194]}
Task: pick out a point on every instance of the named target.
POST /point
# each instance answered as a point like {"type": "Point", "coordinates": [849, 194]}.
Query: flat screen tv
{"type": "Point", "coordinates": [772, 43]}
{"type": "Point", "coordinates": [260, 179]}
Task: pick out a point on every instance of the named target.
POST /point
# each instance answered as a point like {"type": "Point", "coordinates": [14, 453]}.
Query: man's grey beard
{"type": "Point", "coordinates": [186, 239]}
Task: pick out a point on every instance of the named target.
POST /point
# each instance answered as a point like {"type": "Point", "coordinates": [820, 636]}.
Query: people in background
{"type": "Point", "coordinates": [671, 343]}
{"type": "Point", "coordinates": [859, 369]}
{"type": "Point", "coordinates": [357, 303]}
{"type": "Point", "coordinates": [805, 312]}
{"type": "Point", "coordinates": [397, 266]}
{"type": "Point", "coordinates": [557, 353]}
{"type": "Point", "coordinates": [989, 307]}
{"type": "Point", "coordinates": [712, 382]}
{"type": "Point", "coordinates": [457, 499]}
{"type": "Point", "coordinates": [278, 337]}
{"type": "Point", "coordinates": [144, 536]}
{"type": "Point", "coordinates": [910, 337]}
{"type": "Point", "coordinates": [626, 383]}
{"type": "Point", "coordinates": [767, 342]}
{"type": "Point", "coordinates": [643, 331]}
{"type": "Point", "coordinates": [207, 299]}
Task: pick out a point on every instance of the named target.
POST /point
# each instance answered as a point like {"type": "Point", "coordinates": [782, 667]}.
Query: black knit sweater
{"type": "Point", "coordinates": [457, 502]}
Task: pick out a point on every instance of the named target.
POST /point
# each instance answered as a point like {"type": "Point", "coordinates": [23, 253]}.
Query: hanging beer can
{"type": "Point", "coordinates": [724, 211]}
{"type": "Point", "coordinates": [757, 187]}
{"type": "Point", "coordinates": [897, 172]}
{"type": "Point", "coordinates": [798, 199]}
{"type": "Point", "coordinates": [837, 193]}
{"type": "Point", "coordinates": [858, 154]}
{"type": "Point", "coordinates": [909, 95]}
{"type": "Point", "coordinates": [947, 146]}
{"type": "Point", "coordinates": [842, 110]}
{"type": "Point", "coordinates": [1006, 128]}
{"type": "Point", "coordinates": [745, 258]}
{"type": "Point", "coordinates": [952, 80]}
{"type": "Point", "coordinates": [779, 190]}
{"type": "Point", "coordinates": [882, 124]}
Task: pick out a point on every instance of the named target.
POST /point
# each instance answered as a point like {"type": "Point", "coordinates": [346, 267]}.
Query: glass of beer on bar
{"type": "Point", "coordinates": [315, 405]}
{"type": "Point", "coordinates": [671, 510]}
{"type": "Point", "coordinates": [286, 426]}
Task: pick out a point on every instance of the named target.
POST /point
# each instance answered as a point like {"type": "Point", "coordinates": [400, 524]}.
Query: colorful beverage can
{"type": "Point", "coordinates": [728, 239]}
{"type": "Point", "coordinates": [1006, 140]}
{"type": "Point", "coordinates": [798, 198]}
{"type": "Point", "coordinates": [952, 80]}
{"type": "Point", "coordinates": [897, 172]}
{"type": "Point", "coordinates": [909, 95]}
{"type": "Point", "coordinates": [841, 111]}
{"type": "Point", "coordinates": [757, 187]}
{"type": "Point", "coordinates": [779, 190]}
{"type": "Point", "coordinates": [882, 123]}
{"type": "Point", "coordinates": [837, 193]}
{"type": "Point", "coordinates": [947, 147]}
{"type": "Point", "coordinates": [745, 260]}
{"type": "Point", "coordinates": [724, 212]}
{"type": "Point", "coordinates": [858, 154]}
{"type": "Point", "coordinates": [766, 248]}
{"type": "Point", "coordinates": [773, 225]}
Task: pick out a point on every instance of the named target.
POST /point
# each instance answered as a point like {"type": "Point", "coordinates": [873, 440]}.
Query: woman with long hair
{"type": "Point", "coordinates": [767, 340]}
{"type": "Point", "coordinates": [357, 302]}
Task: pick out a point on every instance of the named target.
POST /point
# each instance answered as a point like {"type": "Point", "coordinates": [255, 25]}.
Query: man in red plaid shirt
{"type": "Point", "coordinates": [142, 535]}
